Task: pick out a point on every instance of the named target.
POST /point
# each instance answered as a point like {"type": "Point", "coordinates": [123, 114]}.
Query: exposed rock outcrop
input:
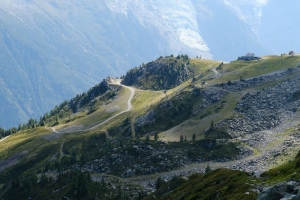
{"type": "Point", "coordinates": [281, 191]}
{"type": "Point", "coordinates": [163, 73]}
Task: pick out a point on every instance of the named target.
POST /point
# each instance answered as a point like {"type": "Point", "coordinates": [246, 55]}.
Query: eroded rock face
{"type": "Point", "coordinates": [281, 191]}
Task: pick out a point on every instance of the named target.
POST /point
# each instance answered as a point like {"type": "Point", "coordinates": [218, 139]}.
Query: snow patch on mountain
{"type": "Point", "coordinates": [175, 20]}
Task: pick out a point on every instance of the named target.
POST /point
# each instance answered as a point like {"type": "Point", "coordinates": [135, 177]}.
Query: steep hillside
{"type": "Point", "coordinates": [52, 50]}
{"type": "Point", "coordinates": [218, 184]}
{"type": "Point", "coordinates": [127, 142]}
{"type": "Point", "coordinates": [277, 183]}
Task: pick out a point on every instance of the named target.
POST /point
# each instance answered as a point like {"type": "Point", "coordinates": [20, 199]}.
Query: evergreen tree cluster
{"type": "Point", "coordinates": [79, 181]}
{"type": "Point", "coordinates": [28, 182]}
{"type": "Point", "coordinates": [184, 57]}
{"type": "Point", "coordinates": [63, 110]}
{"type": "Point", "coordinates": [86, 97]}
{"type": "Point", "coordinates": [33, 123]}
{"type": "Point", "coordinates": [163, 73]}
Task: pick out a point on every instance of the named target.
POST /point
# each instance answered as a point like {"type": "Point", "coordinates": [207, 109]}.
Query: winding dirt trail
{"type": "Point", "coordinates": [215, 71]}
{"type": "Point", "coordinates": [129, 107]}
{"type": "Point", "coordinates": [53, 129]}
{"type": "Point", "coordinates": [4, 138]}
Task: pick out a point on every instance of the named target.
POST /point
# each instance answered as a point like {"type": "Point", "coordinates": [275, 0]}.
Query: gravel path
{"type": "Point", "coordinates": [80, 128]}
{"type": "Point", "coordinates": [4, 138]}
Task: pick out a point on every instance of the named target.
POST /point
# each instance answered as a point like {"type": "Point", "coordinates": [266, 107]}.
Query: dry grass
{"type": "Point", "coordinates": [247, 69]}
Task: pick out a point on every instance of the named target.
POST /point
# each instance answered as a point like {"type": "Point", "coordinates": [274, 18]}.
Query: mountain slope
{"type": "Point", "coordinates": [228, 34]}
{"type": "Point", "coordinates": [242, 118]}
{"type": "Point", "coordinates": [175, 21]}
{"type": "Point", "coordinates": [52, 50]}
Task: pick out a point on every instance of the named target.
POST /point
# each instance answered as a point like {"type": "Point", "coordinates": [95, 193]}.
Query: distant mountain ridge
{"type": "Point", "coordinates": [52, 50]}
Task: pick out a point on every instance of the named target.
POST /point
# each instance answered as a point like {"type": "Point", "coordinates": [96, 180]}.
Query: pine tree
{"type": "Point", "coordinates": [57, 119]}
{"type": "Point", "coordinates": [208, 169]}
{"type": "Point", "coordinates": [120, 195]}
{"type": "Point", "coordinates": [20, 127]}
{"type": "Point", "coordinates": [103, 185]}
{"type": "Point", "coordinates": [159, 182]}
{"type": "Point", "coordinates": [156, 136]}
{"type": "Point", "coordinates": [194, 137]}
{"type": "Point", "coordinates": [181, 138]}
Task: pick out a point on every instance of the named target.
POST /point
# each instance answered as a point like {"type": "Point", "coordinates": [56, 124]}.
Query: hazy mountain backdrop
{"type": "Point", "coordinates": [51, 50]}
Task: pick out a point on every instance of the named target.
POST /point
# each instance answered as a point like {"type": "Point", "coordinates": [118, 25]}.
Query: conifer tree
{"type": "Point", "coordinates": [57, 119]}
{"type": "Point", "coordinates": [156, 136]}
{"type": "Point", "coordinates": [181, 138]}
{"type": "Point", "coordinates": [208, 169]}
{"type": "Point", "coordinates": [194, 137]}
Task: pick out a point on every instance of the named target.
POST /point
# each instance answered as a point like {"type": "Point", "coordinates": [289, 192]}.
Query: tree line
{"type": "Point", "coordinates": [63, 110]}
{"type": "Point", "coordinates": [33, 123]}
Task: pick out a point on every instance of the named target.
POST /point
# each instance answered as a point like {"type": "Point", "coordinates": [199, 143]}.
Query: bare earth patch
{"type": "Point", "coordinates": [113, 109]}
{"type": "Point", "coordinates": [60, 132]}
{"type": "Point", "coordinates": [4, 138]}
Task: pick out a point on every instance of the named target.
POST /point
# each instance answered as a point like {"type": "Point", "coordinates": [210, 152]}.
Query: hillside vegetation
{"type": "Point", "coordinates": [230, 184]}
{"type": "Point", "coordinates": [165, 73]}
{"type": "Point", "coordinates": [249, 124]}
{"type": "Point", "coordinates": [217, 184]}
